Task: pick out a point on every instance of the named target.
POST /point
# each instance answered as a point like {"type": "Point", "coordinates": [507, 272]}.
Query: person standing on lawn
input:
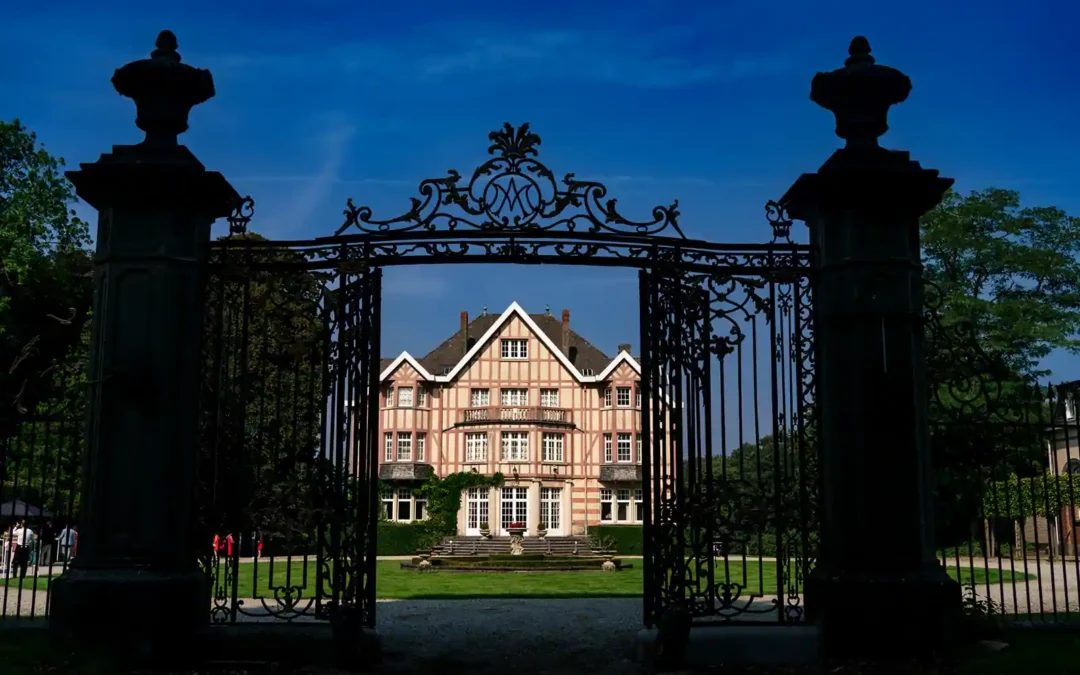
{"type": "Point", "coordinates": [22, 538]}
{"type": "Point", "coordinates": [66, 543]}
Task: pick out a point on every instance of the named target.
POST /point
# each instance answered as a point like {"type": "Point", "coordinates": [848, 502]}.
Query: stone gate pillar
{"type": "Point", "coordinates": [136, 574]}
{"type": "Point", "coordinates": [877, 587]}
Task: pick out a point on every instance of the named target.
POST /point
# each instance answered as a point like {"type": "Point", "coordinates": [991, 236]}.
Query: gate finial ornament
{"type": "Point", "coordinates": [860, 95]}
{"type": "Point", "coordinates": [164, 90]}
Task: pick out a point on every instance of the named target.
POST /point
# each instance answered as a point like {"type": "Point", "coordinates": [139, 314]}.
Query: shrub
{"type": "Point", "coordinates": [626, 539]}
{"type": "Point", "coordinates": [401, 538]}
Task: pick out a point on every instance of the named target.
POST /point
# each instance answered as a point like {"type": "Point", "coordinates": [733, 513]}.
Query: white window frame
{"type": "Point", "coordinates": [622, 498]}
{"type": "Point", "coordinates": [404, 446]}
{"type": "Point", "coordinates": [388, 452]}
{"type": "Point", "coordinates": [607, 497]}
{"type": "Point", "coordinates": [421, 397]}
{"type": "Point", "coordinates": [516, 349]}
{"type": "Point", "coordinates": [405, 397]}
{"type": "Point", "coordinates": [476, 447]}
{"type": "Point", "coordinates": [639, 506]}
{"type": "Point", "coordinates": [479, 398]}
{"type": "Point", "coordinates": [404, 496]}
{"type": "Point", "coordinates": [390, 400]}
{"type": "Point", "coordinates": [607, 449]}
{"type": "Point", "coordinates": [607, 397]}
{"type": "Point", "coordinates": [549, 398]}
{"type": "Point", "coordinates": [622, 397]}
{"type": "Point", "coordinates": [1070, 409]}
{"type": "Point", "coordinates": [514, 506]}
{"type": "Point", "coordinates": [637, 447]}
{"type": "Point", "coordinates": [514, 397]}
{"type": "Point", "coordinates": [388, 505]}
{"type": "Point", "coordinates": [420, 447]}
{"type": "Point", "coordinates": [551, 508]}
{"type": "Point", "coordinates": [554, 446]}
{"type": "Point", "coordinates": [514, 446]}
{"type": "Point", "coordinates": [637, 396]}
{"type": "Point", "coordinates": [623, 442]}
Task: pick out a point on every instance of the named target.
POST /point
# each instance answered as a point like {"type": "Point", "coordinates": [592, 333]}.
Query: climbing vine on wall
{"type": "Point", "coordinates": [444, 500]}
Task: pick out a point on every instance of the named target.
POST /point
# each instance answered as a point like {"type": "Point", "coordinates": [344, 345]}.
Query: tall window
{"type": "Point", "coordinates": [477, 505]}
{"type": "Point", "coordinates": [515, 349]}
{"type": "Point", "coordinates": [622, 397]}
{"type": "Point", "coordinates": [549, 398]}
{"type": "Point", "coordinates": [515, 446]}
{"type": "Point", "coordinates": [553, 447]}
{"type": "Point", "coordinates": [607, 448]}
{"type": "Point", "coordinates": [421, 397]}
{"type": "Point", "coordinates": [480, 398]}
{"type": "Point", "coordinates": [550, 515]}
{"type": "Point", "coordinates": [404, 504]}
{"type": "Point", "coordinates": [624, 447]}
{"type": "Point", "coordinates": [388, 504]}
{"type": "Point", "coordinates": [515, 506]}
{"type": "Point", "coordinates": [638, 454]}
{"type": "Point", "coordinates": [622, 505]}
{"type": "Point", "coordinates": [639, 505]}
{"type": "Point", "coordinates": [607, 397]}
{"type": "Point", "coordinates": [388, 456]}
{"type": "Point", "coordinates": [606, 503]}
{"type": "Point", "coordinates": [389, 396]}
{"type": "Point", "coordinates": [515, 396]}
{"type": "Point", "coordinates": [421, 447]}
{"type": "Point", "coordinates": [404, 446]}
{"type": "Point", "coordinates": [404, 397]}
{"type": "Point", "coordinates": [637, 396]}
{"type": "Point", "coordinates": [421, 507]}
{"type": "Point", "coordinates": [476, 447]}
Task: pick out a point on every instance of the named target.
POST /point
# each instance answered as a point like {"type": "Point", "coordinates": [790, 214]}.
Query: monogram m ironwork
{"type": "Point", "coordinates": [863, 208]}
{"type": "Point", "coordinates": [156, 203]}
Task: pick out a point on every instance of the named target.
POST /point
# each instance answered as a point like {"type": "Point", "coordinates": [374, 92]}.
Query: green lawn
{"type": "Point", "coordinates": [393, 582]}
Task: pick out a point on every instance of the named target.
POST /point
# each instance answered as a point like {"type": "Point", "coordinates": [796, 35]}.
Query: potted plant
{"type": "Point", "coordinates": [516, 529]}
{"type": "Point", "coordinates": [485, 531]}
{"type": "Point", "coordinates": [541, 530]}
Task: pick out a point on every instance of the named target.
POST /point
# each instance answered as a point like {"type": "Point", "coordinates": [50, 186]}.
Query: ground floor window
{"type": "Point", "coordinates": [550, 511]}
{"type": "Point", "coordinates": [403, 505]}
{"type": "Point", "coordinates": [621, 505]}
{"type": "Point", "coordinates": [515, 506]}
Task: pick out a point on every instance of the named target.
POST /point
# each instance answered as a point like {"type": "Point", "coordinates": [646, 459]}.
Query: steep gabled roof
{"type": "Point", "coordinates": [582, 359]}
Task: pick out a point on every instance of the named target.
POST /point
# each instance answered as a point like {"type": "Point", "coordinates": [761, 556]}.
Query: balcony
{"type": "Point", "coordinates": [516, 415]}
{"type": "Point", "coordinates": [620, 473]}
{"type": "Point", "coordinates": [405, 471]}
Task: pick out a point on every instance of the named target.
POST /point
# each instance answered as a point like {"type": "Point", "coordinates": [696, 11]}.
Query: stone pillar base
{"type": "Point", "coordinates": [885, 616]}
{"type": "Point", "coordinates": [144, 607]}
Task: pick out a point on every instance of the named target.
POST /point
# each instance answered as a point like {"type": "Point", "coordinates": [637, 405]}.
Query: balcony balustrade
{"type": "Point", "coordinates": [517, 414]}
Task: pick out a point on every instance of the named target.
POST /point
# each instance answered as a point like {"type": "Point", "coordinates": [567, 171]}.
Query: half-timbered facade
{"type": "Point", "coordinates": [524, 395]}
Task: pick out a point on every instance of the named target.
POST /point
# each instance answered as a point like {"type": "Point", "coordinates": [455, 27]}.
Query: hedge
{"type": "Point", "coordinates": [1044, 495]}
{"type": "Point", "coordinates": [400, 538]}
{"type": "Point", "coordinates": [625, 538]}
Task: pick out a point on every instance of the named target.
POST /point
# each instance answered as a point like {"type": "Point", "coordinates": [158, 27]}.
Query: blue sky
{"type": "Point", "coordinates": [706, 102]}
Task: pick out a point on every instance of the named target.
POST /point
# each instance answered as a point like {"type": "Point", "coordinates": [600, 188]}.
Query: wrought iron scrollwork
{"type": "Point", "coordinates": [241, 216]}
{"type": "Point", "coordinates": [512, 192]}
{"type": "Point", "coordinates": [777, 215]}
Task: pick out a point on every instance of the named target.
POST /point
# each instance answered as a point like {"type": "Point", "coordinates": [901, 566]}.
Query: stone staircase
{"type": "Point", "coordinates": [530, 545]}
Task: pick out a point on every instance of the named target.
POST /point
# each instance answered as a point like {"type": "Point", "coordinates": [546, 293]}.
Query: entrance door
{"type": "Point", "coordinates": [476, 511]}
{"type": "Point", "coordinates": [551, 510]}
{"type": "Point", "coordinates": [515, 507]}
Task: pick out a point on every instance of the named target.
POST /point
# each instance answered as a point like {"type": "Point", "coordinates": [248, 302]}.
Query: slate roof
{"type": "Point", "coordinates": [583, 354]}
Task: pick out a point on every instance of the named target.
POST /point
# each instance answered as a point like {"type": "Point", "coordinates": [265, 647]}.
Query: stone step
{"type": "Point", "coordinates": [481, 546]}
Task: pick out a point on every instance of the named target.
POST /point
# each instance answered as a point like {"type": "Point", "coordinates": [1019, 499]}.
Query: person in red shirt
{"type": "Point", "coordinates": [216, 547]}
{"type": "Point", "coordinates": [258, 548]}
{"type": "Point", "coordinates": [229, 545]}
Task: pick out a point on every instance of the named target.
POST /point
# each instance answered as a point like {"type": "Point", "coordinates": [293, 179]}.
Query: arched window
{"type": "Point", "coordinates": [1072, 467]}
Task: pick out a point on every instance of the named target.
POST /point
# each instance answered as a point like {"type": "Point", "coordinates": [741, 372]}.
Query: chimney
{"type": "Point", "coordinates": [565, 332]}
{"type": "Point", "coordinates": [624, 348]}
{"type": "Point", "coordinates": [464, 333]}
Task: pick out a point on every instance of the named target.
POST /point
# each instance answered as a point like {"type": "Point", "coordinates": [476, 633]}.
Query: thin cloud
{"type": "Point", "coordinates": [651, 61]}
{"type": "Point", "coordinates": [412, 282]}
{"type": "Point", "coordinates": [330, 179]}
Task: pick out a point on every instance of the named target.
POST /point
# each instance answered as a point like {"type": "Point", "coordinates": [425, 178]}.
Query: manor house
{"type": "Point", "coordinates": [524, 395]}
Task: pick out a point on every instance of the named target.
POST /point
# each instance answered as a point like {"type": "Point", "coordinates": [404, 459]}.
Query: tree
{"type": "Point", "coordinates": [45, 275]}
{"type": "Point", "coordinates": [1004, 290]}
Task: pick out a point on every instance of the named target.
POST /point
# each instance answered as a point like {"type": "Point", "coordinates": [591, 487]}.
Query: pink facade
{"type": "Point", "coordinates": [526, 396]}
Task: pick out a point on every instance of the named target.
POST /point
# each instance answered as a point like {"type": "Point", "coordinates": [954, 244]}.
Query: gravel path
{"type": "Point", "coordinates": [22, 604]}
{"type": "Point", "coordinates": [510, 636]}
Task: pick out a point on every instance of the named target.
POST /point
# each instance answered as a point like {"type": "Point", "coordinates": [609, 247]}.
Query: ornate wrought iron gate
{"type": "Point", "coordinates": [716, 514]}
{"type": "Point", "coordinates": [289, 458]}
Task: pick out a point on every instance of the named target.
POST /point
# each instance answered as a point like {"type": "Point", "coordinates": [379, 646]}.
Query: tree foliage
{"type": "Point", "coordinates": [1003, 289]}
{"type": "Point", "coordinates": [45, 277]}
{"type": "Point", "coordinates": [444, 501]}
